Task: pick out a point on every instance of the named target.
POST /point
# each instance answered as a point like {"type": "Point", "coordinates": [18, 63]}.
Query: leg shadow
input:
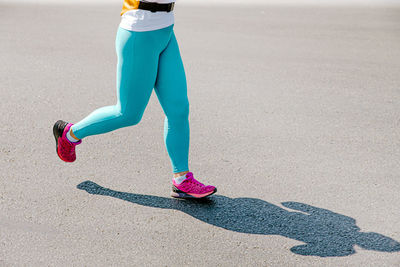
{"type": "Point", "coordinates": [325, 233]}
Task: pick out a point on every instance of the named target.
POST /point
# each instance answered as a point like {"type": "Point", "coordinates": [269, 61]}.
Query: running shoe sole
{"type": "Point", "coordinates": [58, 130]}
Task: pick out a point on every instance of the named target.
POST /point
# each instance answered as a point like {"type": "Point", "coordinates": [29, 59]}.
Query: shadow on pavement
{"type": "Point", "coordinates": [326, 234]}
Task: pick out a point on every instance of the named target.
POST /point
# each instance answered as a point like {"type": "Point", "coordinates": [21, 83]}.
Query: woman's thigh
{"type": "Point", "coordinates": [170, 87]}
{"type": "Point", "coordinates": [138, 55]}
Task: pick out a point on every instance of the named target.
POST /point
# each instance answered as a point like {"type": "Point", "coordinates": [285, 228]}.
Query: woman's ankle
{"type": "Point", "coordinates": [179, 174]}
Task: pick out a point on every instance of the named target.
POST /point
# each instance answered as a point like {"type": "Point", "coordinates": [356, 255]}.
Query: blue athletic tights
{"type": "Point", "coordinates": [147, 60]}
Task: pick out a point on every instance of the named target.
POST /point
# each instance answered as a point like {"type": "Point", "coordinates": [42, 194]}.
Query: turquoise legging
{"type": "Point", "coordinates": [147, 60]}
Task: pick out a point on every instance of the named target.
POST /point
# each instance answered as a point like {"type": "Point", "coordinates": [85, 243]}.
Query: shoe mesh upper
{"type": "Point", "coordinates": [66, 149]}
{"type": "Point", "coordinates": [191, 185]}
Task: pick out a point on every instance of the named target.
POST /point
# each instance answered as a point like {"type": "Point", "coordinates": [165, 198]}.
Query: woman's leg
{"type": "Point", "coordinates": [171, 91]}
{"type": "Point", "coordinates": [138, 54]}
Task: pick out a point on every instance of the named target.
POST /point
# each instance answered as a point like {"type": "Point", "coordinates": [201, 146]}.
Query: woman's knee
{"type": "Point", "coordinates": [178, 112]}
{"type": "Point", "coordinates": [130, 118]}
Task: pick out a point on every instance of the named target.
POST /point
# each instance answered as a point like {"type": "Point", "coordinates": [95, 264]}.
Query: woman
{"type": "Point", "coordinates": [148, 57]}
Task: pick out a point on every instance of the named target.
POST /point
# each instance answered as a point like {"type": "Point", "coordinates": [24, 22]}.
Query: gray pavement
{"type": "Point", "coordinates": [295, 117]}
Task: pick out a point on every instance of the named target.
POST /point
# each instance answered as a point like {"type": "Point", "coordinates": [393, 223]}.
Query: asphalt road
{"type": "Point", "coordinates": [295, 117]}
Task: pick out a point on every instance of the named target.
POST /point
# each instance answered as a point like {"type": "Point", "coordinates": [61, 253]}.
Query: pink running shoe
{"type": "Point", "coordinates": [191, 188]}
{"type": "Point", "coordinates": [65, 149]}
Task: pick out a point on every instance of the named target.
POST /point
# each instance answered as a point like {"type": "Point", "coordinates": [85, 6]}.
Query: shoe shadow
{"type": "Point", "coordinates": [325, 233]}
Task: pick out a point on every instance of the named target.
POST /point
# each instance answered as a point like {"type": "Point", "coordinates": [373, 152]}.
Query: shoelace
{"type": "Point", "coordinates": [191, 179]}
{"type": "Point", "coordinates": [196, 183]}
